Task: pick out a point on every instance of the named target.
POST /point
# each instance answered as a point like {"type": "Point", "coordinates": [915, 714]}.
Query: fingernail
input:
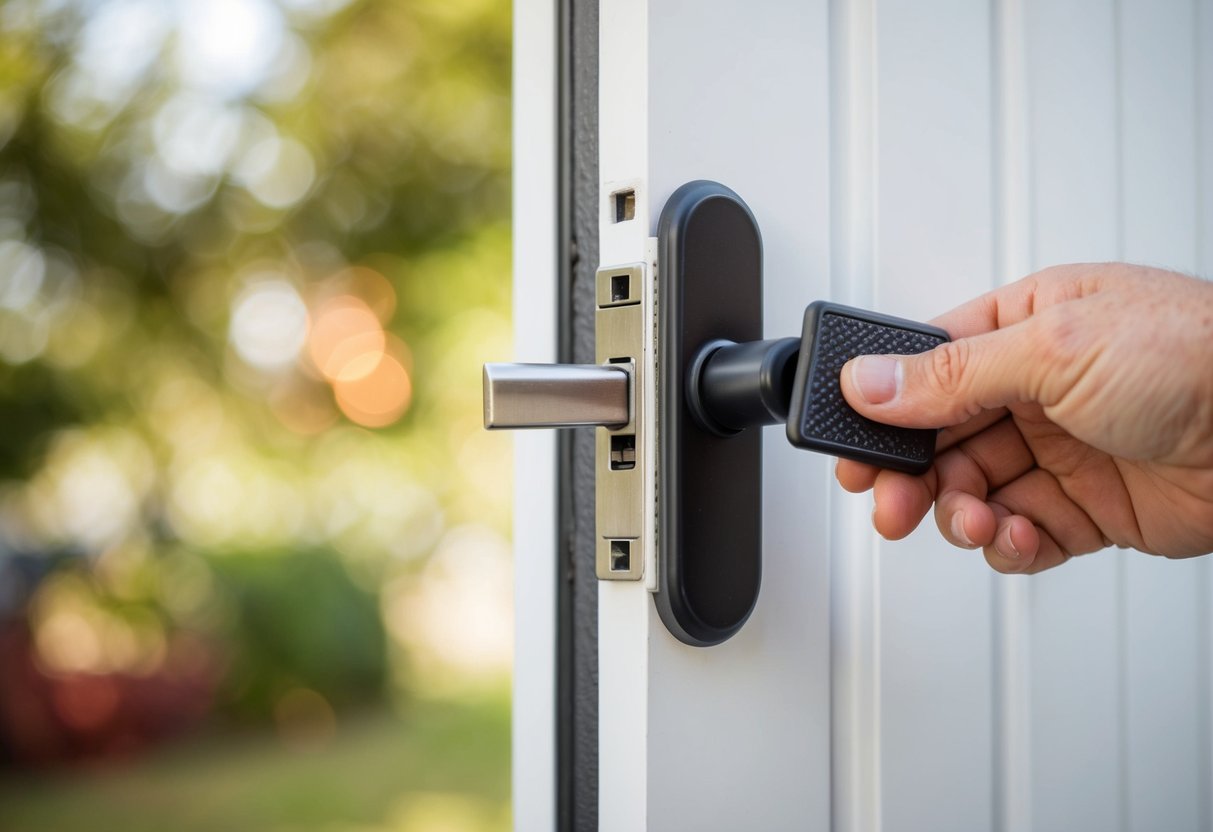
{"type": "Point", "coordinates": [958, 528]}
{"type": "Point", "coordinates": [876, 377]}
{"type": "Point", "coordinates": [1004, 544]}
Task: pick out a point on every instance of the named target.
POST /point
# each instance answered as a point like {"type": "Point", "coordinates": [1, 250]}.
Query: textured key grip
{"type": "Point", "coordinates": [819, 418]}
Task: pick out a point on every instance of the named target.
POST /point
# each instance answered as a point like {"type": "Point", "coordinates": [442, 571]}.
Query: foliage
{"type": "Point", "coordinates": [196, 200]}
{"type": "Point", "coordinates": [299, 622]}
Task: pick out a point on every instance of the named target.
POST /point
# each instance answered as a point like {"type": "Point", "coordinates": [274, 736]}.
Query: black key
{"type": "Point", "coordinates": [819, 418]}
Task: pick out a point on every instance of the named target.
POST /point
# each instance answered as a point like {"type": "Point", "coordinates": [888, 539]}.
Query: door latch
{"type": "Point", "coordinates": [555, 396]}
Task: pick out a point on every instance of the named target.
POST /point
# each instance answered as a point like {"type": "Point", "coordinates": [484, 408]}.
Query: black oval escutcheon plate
{"type": "Point", "coordinates": [709, 488]}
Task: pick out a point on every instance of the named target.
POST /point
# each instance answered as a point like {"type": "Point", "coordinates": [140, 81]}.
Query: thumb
{"type": "Point", "coordinates": [949, 384]}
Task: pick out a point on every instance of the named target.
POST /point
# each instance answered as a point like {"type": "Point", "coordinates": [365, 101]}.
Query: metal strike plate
{"type": "Point", "coordinates": [621, 451]}
{"type": "Point", "coordinates": [615, 395]}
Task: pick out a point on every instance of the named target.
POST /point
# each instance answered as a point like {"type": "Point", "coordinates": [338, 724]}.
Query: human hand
{"type": "Point", "coordinates": [1078, 413]}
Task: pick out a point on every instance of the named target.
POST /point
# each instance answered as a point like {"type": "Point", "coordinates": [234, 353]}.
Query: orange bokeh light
{"type": "Point", "coordinates": [375, 290]}
{"type": "Point", "coordinates": [344, 332]}
{"type": "Point", "coordinates": [377, 398]}
{"type": "Point", "coordinates": [367, 368]}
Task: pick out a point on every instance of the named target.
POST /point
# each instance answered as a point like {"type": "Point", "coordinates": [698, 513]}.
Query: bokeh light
{"type": "Point", "coordinates": [227, 47]}
{"type": "Point", "coordinates": [376, 397]}
{"type": "Point", "coordinates": [252, 253]}
{"type": "Point", "coordinates": [347, 339]}
{"type": "Point", "coordinates": [269, 323]}
{"type": "Point", "coordinates": [277, 171]}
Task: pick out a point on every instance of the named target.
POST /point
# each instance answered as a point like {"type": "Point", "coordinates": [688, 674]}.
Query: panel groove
{"type": "Point", "coordinates": [1202, 35]}
{"type": "Point", "coordinates": [854, 655]}
{"type": "Point", "coordinates": [1204, 162]}
{"type": "Point", "coordinates": [1011, 636]}
{"type": "Point", "coordinates": [1205, 688]}
{"type": "Point", "coordinates": [1122, 627]}
{"type": "Point", "coordinates": [1198, 58]}
{"type": "Point", "coordinates": [1122, 681]}
{"type": "Point", "coordinates": [1201, 42]}
{"type": "Point", "coordinates": [1119, 133]}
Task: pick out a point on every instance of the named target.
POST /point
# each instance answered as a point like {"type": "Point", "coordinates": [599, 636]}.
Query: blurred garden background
{"type": "Point", "coordinates": [254, 570]}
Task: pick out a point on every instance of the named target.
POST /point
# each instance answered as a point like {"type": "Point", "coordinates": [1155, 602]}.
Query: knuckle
{"type": "Point", "coordinates": [1058, 353]}
{"type": "Point", "coordinates": [1060, 339]}
{"type": "Point", "coordinates": [950, 366]}
{"type": "Point", "coordinates": [1068, 280]}
{"type": "Point", "coordinates": [1053, 277]}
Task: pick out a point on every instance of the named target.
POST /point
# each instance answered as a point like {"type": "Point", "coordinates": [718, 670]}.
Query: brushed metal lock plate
{"type": "Point", "coordinates": [622, 451]}
{"type": "Point", "coordinates": [614, 395]}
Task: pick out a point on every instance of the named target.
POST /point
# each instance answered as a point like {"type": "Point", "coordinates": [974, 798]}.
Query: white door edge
{"type": "Point", "coordinates": [535, 274]}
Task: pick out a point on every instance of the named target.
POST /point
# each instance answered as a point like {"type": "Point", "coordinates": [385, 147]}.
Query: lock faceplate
{"type": "Point", "coordinates": [622, 452]}
{"type": "Point", "coordinates": [616, 395]}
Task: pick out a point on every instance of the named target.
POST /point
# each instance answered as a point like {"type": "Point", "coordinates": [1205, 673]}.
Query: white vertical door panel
{"type": "Point", "coordinates": [1073, 621]}
{"type": "Point", "coordinates": [907, 157]}
{"type": "Point", "coordinates": [1075, 696]}
{"type": "Point", "coordinates": [740, 733]}
{"type": "Point", "coordinates": [1158, 131]}
{"type": "Point", "coordinates": [1165, 651]}
{"type": "Point", "coordinates": [933, 247]}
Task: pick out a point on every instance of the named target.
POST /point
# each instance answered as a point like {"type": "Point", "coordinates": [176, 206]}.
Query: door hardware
{"type": "Point", "coordinates": [554, 396]}
{"type": "Point", "coordinates": [729, 383]}
{"type": "Point", "coordinates": [731, 387]}
{"type": "Point", "coordinates": [613, 395]}
{"type": "Point", "coordinates": [678, 457]}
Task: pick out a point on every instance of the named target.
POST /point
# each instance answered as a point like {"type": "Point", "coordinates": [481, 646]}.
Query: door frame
{"type": "Point", "coordinates": [535, 209]}
{"type": "Point", "coordinates": [555, 150]}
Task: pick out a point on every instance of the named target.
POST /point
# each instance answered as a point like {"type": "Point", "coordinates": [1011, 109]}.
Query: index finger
{"type": "Point", "coordinates": [1018, 301]}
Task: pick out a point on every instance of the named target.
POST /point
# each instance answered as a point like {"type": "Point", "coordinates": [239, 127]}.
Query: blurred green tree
{"type": "Point", "coordinates": [251, 252]}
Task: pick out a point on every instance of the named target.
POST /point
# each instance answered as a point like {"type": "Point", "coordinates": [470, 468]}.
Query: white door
{"type": "Point", "coordinates": [904, 157]}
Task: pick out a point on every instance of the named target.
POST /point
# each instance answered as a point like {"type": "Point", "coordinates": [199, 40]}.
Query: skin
{"type": "Point", "coordinates": [1078, 413]}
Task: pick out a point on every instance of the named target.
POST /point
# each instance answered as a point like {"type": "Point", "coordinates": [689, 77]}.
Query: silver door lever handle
{"type": "Point", "coordinates": [555, 395]}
